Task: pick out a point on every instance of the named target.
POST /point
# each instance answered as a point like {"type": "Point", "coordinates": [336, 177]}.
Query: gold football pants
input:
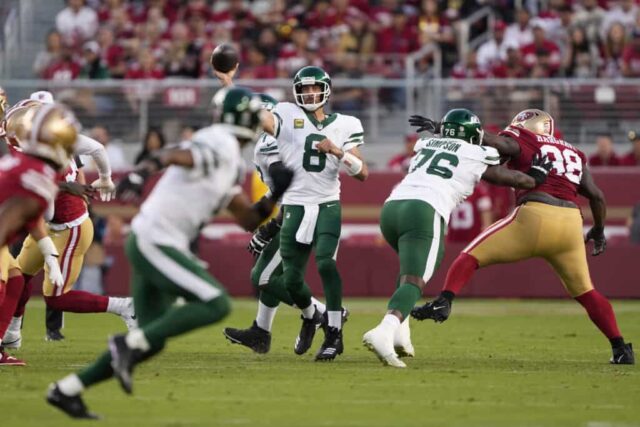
{"type": "Point", "coordinates": [71, 243]}
{"type": "Point", "coordinates": [538, 230]}
{"type": "Point", "coordinates": [7, 263]}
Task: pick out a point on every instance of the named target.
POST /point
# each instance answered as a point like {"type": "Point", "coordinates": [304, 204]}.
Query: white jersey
{"type": "Point", "coordinates": [265, 154]}
{"type": "Point", "coordinates": [185, 198]}
{"type": "Point", "coordinates": [444, 172]}
{"type": "Point", "coordinates": [316, 178]}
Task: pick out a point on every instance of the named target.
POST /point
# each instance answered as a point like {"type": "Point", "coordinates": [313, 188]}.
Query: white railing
{"type": "Point", "coordinates": [465, 43]}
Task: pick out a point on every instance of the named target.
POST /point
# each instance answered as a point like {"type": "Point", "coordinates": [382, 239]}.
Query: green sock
{"type": "Point", "coordinates": [179, 320]}
{"type": "Point", "coordinates": [405, 298]}
{"type": "Point", "coordinates": [99, 370]}
{"type": "Point", "coordinates": [278, 290]}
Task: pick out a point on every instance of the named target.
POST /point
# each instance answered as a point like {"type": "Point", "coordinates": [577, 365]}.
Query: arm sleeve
{"type": "Point", "coordinates": [91, 147]}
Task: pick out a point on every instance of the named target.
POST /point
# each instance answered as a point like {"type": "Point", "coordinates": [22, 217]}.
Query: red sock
{"type": "Point", "coordinates": [14, 288]}
{"type": "Point", "coordinates": [78, 302]}
{"type": "Point", "coordinates": [600, 312]}
{"type": "Point", "coordinates": [24, 298]}
{"type": "Point", "coordinates": [460, 273]}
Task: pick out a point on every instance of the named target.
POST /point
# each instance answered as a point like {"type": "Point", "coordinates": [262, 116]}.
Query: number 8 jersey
{"type": "Point", "coordinates": [298, 132]}
{"type": "Point", "coordinates": [444, 172]}
{"type": "Point", "coordinates": [568, 163]}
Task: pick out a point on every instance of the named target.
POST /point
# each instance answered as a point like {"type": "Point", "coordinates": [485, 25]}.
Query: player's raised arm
{"type": "Point", "coordinates": [90, 147]}
{"type": "Point", "coordinates": [537, 174]}
{"type": "Point", "coordinates": [505, 145]}
{"type": "Point", "coordinates": [597, 203]}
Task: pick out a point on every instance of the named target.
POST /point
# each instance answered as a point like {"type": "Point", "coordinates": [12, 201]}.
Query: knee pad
{"type": "Point", "coordinates": [326, 265]}
{"type": "Point", "coordinates": [220, 307]}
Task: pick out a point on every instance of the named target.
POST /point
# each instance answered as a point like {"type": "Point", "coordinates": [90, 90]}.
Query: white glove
{"type": "Point", "coordinates": [50, 254]}
{"type": "Point", "coordinates": [105, 187]}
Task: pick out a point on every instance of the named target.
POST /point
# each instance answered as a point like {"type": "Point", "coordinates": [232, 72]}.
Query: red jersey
{"type": "Point", "coordinates": [69, 209]}
{"type": "Point", "coordinates": [629, 159]}
{"type": "Point", "coordinates": [596, 160]}
{"type": "Point", "coordinates": [568, 162]}
{"type": "Point", "coordinates": [26, 176]}
{"type": "Point", "coordinates": [466, 219]}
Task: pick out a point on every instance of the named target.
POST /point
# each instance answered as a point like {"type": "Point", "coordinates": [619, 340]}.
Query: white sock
{"type": "Point", "coordinates": [15, 325]}
{"type": "Point", "coordinates": [135, 339]}
{"type": "Point", "coordinates": [117, 305]}
{"type": "Point", "coordinates": [319, 305]}
{"type": "Point", "coordinates": [335, 319]}
{"type": "Point", "coordinates": [307, 313]}
{"type": "Point", "coordinates": [265, 316]}
{"type": "Point", "coordinates": [390, 323]}
{"type": "Point", "coordinates": [70, 385]}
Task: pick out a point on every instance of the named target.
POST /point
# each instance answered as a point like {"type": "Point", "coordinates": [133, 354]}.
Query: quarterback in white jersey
{"type": "Point", "coordinates": [443, 172]}
{"type": "Point", "coordinates": [313, 144]}
{"type": "Point", "coordinates": [201, 178]}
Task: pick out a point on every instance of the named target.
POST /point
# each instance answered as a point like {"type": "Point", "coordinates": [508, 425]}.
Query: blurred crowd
{"type": "Point", "coordinates": [135, 39]}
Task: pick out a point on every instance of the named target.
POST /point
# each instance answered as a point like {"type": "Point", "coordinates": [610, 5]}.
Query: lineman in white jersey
{"type": "Point", "coordinates": [266, 275]}
{"type": "Point", "coordinates": [443, 172]}
{"type": "Point", "coordinates": [315, 145]}
{"type": "Point", "coordinates": [202, 177]}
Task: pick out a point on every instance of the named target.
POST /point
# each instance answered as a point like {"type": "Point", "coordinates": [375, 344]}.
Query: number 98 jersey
{"type": "Point", "coordinates": [568, 163]}
{"type": "Point", "coordinates": [316, 178]}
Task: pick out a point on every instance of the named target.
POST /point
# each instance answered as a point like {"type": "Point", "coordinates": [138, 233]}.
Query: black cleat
{"type": "Point", "coordinates": [439, 310]}
{"type": "Point", "coordinates": [623, 355]}
{"type": "Point", "coordinates": [70, 405]}
{"type": "Point", "coordinates": [332, 345]}
{"type": "Point", "coordinates": [53, 335]}
{"type": "Point", "coordinates": [307, 332]}
{"type": "Point", "coordinates": [325, 319]}
{"type": "Point", "coordinates": [123, 359]}
{"type": "Point", "coordinates": [256, 338]}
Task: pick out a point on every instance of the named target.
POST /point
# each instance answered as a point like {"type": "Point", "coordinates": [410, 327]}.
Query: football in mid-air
{"type": "Point", "coordinates": [224, 58]}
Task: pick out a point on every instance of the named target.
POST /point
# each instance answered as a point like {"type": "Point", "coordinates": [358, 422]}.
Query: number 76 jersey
{"type": "Point", "coordinates": [297, 132]}
{"type": "Point", "coordinates": [568, 162]}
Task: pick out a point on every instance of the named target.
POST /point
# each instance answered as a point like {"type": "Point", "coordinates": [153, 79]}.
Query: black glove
{"type": "Point", "coordinates": [130, 187]}
{"type": "Point", "coordinates": [281, 177]}
{"type": "Point", "coordinates": [263, 235]}
{"type": "Point", "coordinates": [540, 168]}
{"type": "Point", "coordinates": [599, 241]}
{"type": "Point", "coordinates": [424, 123]}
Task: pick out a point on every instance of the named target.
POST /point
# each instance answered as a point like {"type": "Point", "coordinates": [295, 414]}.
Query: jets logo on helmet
{"type": "Point", "coordinates": [537, 121]}
{"type": "Point", "coordinates": [311, 76]}
{"type": "Point", "coordinates": [461, 123]}
{"type": "Point", "coordinates": [239, 109]}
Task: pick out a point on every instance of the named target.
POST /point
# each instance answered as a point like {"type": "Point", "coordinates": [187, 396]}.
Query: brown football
{"type": "Point", "coordinates": [224, 58]}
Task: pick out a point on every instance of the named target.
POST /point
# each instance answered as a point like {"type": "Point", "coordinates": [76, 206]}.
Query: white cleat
{"type": "Point", "coordinates": [402, 340]}
{"type": "Point", "coordinates": [381, 343]}
{"type": "Point", "coordinates": [129, 315]}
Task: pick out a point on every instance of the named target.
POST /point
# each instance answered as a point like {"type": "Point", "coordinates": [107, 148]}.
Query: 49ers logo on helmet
{"type": "Point", "coordinates": [525, 115]}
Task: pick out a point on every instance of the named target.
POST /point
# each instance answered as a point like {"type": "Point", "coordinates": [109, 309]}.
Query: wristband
{"type": "Point", "coordinates": [352, 164]}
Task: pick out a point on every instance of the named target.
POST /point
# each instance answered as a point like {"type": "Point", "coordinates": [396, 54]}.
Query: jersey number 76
{"type": "Point", "coordinates": [435, 165]}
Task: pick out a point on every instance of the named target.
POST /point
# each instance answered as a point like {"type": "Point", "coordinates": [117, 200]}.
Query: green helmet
{"type": "Point", "coordinates": [268, 101]}
{"type": "Point", "coordinates": [239, 108]}
{"type": "Point", "coordinates": [310, 76]}
{"type": "Point", "coordinates": [462, 124]}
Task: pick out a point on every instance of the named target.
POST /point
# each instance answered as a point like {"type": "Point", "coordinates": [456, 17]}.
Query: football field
{"type": "Point", "coordinates": [494, 363]}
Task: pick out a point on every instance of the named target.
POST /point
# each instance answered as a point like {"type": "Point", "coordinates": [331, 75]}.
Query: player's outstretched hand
{"type": "Point", "coordinates": [226, 79]}
{"type": "Point", "coordinates": [131, 186]}
{"type": "Point", "coordinates": [77, 189]}
{"type": "Point", "coordinates": [599, 240]}
{"type": "Point", "coordinates": [105, 187]}
{"type": "Point", "coordinates": [424, 124]}
{"type": "Point", "coordinates": [540, 168]}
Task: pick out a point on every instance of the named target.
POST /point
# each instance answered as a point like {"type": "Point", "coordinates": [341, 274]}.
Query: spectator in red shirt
{"type": "Point", "coordinates": [542, 57]}
{"type": "Point", "coordinates": [296, 54]}
{"type": "Point", "coordinates": [145, 68]}
{"type": "Point", "coordinates": [471, 216]}
{"type": "Point", "coordinates": [64, 68]}
{"type": "Point", "coordinates": [604, 155]}
{"type": "Point", "coordinates": [236, 17]}
{"type": "Point", "coordinates": [111, 53]}
{"type": "Point", "coordinates": [512, 68]}
{"type": "Point", "coordinates": [52, 53]}
{"type": "Point", "coordinates": [256, 66]}
{"type": "Point", "coordinates": [631, 56]}
{"type": "Point", "coordinates": [402, 161]}
{"type": "Point", "coordinates": [121, 24]}
{"type": "Point", "coordinates": [633, 157]}
{"type": "Point", "coordinates": [399, 37]}
{"type": "Point", "coordinates": [469, 69]}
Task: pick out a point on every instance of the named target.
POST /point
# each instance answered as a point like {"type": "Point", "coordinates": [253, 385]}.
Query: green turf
{"type": "Point", "coordinates": [494, 363]}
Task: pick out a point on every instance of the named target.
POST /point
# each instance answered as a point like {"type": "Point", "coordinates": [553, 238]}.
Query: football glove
{"type": "Point", "coordinates": [131, 187]}
{"type": "Point", "coordinates": [424, 123]}
{"type": "Point", "coordinates": [50, 254]}
{"type": "Point", "coordinates": [263, 235]}
{"type": "Point", "coordinates": [105, 187]}
{"type": "Point", "coordinates": [540, 168]}
{"type": "Point", "coordinates": [599, 240]}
